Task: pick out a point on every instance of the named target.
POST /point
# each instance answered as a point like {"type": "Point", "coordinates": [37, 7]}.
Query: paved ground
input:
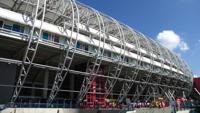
{"type": "Point", "coordinates": [55, 110]}
{"type": "Point", "coordinates": [185, 111]}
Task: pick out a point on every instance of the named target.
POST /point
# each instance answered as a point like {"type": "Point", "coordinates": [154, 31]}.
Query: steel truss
{"type": "Point", "coordinates": [158, 91]}
{"type": "Point", "coordinates": [158, 79]}
{"type": "Point", "coordinates": [158, 48]}
{"type": "Point", "coordinates": [93, 66]}
{"type": "Point", "coordinates": [169, 93]}
{"type": "Point", "coordinates": [153, 90]}
{"type": "Point", "coordinates": [30, 51]}
{"type": "Point", "coordinates": [128, 85]}
{"type": "Point", "coordinates": [140, 88]}
{"type": "Point", "coordinates": [65, 58]}
{"type": "Point", "coordinates": [116, 70]}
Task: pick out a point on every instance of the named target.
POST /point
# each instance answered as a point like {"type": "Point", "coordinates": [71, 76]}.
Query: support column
{"type": "Point", "coordinates": [72, 76]}
{"type": "Point", "coordinates": [8, 74]}
{"type": "Point", "coordinates": [33, 90]}
{"type": "Point", "coordinates": [46, 81]}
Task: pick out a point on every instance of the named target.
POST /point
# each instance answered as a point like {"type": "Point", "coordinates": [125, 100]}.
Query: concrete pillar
{"type": "Point", "coordinates": [46, 81]}
{"type": "Point", "coordinates": [33, 90]}
{"type": "Point", "coordinates": [7, 77]}
{"type": "Point", "coordinates": [72, 85]}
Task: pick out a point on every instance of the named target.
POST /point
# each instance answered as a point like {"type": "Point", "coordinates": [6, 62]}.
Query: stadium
{"type": "Point", "coordinates": [66, 54]}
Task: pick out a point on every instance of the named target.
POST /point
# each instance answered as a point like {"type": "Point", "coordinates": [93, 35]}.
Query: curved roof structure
{"type": "Point", "coordinates": [61, 12]}
{"type": "Point", "coordinates": [79, 22]}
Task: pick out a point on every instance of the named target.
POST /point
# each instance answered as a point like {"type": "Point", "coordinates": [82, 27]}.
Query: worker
{"type": "Point", "coordinates": [173, 106]}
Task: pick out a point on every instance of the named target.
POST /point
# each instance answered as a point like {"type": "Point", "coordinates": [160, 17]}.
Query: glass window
{"type": "Point", "coordinates": [92, 49]}
{"type": "Point", "coordinates": [9, 27]}
{"type": "Point", "coordinates": [45, 35]}
{"type": "Point", "coordinates": [16, 28]}
{"type": "Point", "coordinates": [50, 37]}
{"type": "Point", "coordinates": [56, 38]}
{"type": "Point", "coordinates": [107, 53]}
{"type": "Point", "coordinates": [114, 55]}
{"type": "Point", "coordinates": [78, 45]}
{"type": "Point", "coordinates": [82, 46]}
{"type": "Point", "coordinates": [86, 47]}
{"type": "Point", "coordinates": [1, 23]}
{"type": "Point", "coordinates": [22, 29]}
{"type": "Point", "coordinates": [61, 40]}
{"type": "Point", "coordinates": [126, 59]}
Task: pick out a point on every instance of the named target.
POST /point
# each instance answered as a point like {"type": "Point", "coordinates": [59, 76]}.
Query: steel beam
{"type": "Point", "coordinates": [95, 66]}
{"type": "Point", "coordinates": [116, 71]}
{"type": "Point", "coordinates": [18, 62]}
{"type": "Point", "coordinates": [29, 54]}
{"type": "Point", "coordinates": [127, 85]}
{"type": "Point", "coordinates": [65, 58]}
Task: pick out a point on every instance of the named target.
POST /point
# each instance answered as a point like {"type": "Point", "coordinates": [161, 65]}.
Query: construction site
{"type": "Point", "coordinates": [63, 56]}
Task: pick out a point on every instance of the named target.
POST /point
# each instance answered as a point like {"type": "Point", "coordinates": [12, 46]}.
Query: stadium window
{"type": "Point", "coordinates": [51, 37]}
{"type": "Point", "coordinates": [107, 53]}
{"type": "Point", "coordinates": [56, 38]}
{"type": "Point", "coordinates": [92, 49]}
{"type": "Point", "coordinates": [82, 46]}
{"type": "Point", "coordinates": [61, 40]}
{"type": "Point", "coordinates": [122, 57]}
{"type": "Point", "coordinates": [45, 35]}
{"type": "Point", "coordinates": [26, 29]}
{"type": "Point", "coordinates": [126, 59]}
{"type": "Point", "coordinates": [22, 29]}
{"type": "Point", "coordinates": [6, 26]}
{"type": "Point", "coordinates": [78, 44]}
{"type": "Point", "coordinates": [1, 23]}
{"type": "Point", "coordinates": [115, 55]}
{"type": "Point", "coordinates": [86, 47]}
{"type": "Point", "coordinates": [16, 28]}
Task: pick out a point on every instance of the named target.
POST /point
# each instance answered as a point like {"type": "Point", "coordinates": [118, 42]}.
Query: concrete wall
{"type": "Point", "coordinates": [7, 77]}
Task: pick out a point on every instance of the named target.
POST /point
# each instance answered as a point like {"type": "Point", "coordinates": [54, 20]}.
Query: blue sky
{"type": "Point", "coordinates": [173, 23]}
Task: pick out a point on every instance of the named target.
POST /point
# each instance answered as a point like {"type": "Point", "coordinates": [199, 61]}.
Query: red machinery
{"type": "Point", "coordinates": [95, 98]}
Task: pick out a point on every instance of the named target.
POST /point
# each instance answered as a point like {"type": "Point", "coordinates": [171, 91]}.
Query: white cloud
{"type": "Point", "coordinates": [183, 46]}
{"type": "Point", "coordinates": [168, 39]}
{"type": "Point", "coordinates": [171, 40]}
{"type": "Point", "coordinates": [195, 75]}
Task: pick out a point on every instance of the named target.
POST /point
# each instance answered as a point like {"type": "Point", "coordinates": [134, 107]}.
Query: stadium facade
{"type": "Point", "coordinates": [55, 50]}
